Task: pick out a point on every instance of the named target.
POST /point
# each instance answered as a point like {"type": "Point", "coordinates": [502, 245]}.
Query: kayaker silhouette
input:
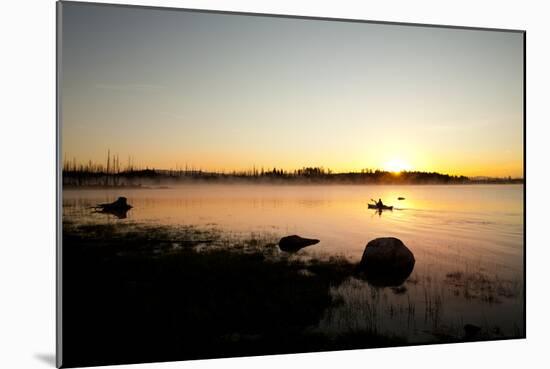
{"type": "Point", "coordinates": [379, 203]}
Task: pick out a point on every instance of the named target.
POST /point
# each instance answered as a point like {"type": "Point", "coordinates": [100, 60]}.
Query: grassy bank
{"type": "Point", "coordinates": [141, 293]}
{"type": "Point", "coordinates": [135, 294]}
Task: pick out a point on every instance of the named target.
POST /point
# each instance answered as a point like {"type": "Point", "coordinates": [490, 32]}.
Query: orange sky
{"type": "Point", "coordinates": [229, 92]}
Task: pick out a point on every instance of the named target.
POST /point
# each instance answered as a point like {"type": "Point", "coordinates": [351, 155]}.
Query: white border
{"type": "Point", "coordinates": [27, 142]}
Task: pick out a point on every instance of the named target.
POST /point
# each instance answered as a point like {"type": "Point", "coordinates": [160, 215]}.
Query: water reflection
{"type": "Point", "coordinates": [380, 211]}
{"type": "Point", "coordinates": [119, 213]}
{"type": "Point", "coordinates": [387, 278]}
{"type": "Point", "coordinates": [480, 221]}
{"type": "Point", "coordinates": [467, 242]}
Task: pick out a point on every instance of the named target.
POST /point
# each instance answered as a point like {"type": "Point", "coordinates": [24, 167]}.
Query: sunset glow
{"type": "Point", "coordinates": [199, 96]}
{"type": "Point", "coordinates": [249, 185]}
{"type": "Point", "coordinates": [397, 166]}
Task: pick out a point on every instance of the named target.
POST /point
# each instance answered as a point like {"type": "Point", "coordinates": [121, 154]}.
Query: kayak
{"type": "Point", "coordinates": [383, 207]}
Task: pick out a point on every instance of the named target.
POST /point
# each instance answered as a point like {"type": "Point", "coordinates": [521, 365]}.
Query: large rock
{"type": "Point", "coordinates": [386, 262]}
{"type": "Point", "coordinates": [294, 243]}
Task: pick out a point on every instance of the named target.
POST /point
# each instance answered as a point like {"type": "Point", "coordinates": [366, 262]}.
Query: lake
{"type": "Point", "coordinates": [467, 241]}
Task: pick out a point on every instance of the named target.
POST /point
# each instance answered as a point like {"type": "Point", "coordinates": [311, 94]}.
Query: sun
{"type": "Point", "coordinates": [396, 166]}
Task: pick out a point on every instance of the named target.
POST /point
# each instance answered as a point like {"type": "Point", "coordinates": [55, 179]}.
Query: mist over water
{"type": "Point", "coordinates": [485, 220]}
{"type": "Point", "coordinates": [467, 241]}
{"type": "Point", "coordinates": [237, 222]}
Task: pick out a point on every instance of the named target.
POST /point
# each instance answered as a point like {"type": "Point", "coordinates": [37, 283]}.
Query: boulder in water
{"type": "Point", "coordinates": [386, 262]}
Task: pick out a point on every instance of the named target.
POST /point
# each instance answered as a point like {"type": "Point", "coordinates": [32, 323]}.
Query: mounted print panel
{"type": "Point", "coordinates": [235, 184]}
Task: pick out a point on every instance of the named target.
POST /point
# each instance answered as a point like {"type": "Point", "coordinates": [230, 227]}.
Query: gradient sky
{"type": "Point", "coordinates": [225, 92]}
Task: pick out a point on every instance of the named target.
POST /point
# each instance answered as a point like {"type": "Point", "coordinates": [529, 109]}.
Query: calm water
{"type": "Point", "coordinates": [467, 241]}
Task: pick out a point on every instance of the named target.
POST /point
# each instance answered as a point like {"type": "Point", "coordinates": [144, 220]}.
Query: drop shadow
{"type": "Point", "coordinates": [48, 359]}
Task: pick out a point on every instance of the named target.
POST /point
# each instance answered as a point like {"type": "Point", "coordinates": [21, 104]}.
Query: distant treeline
{"type": "Point", "coordinates": [113, 176]}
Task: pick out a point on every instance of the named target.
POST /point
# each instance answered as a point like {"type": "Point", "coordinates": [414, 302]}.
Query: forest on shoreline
{"type": "Point", "coordinates": [84, 177]}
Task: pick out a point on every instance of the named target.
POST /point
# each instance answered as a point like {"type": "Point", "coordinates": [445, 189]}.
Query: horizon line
{"type": "Point", "coordinates": [112, 164]}
{"type": "Point", "coordinates": [255, 172]}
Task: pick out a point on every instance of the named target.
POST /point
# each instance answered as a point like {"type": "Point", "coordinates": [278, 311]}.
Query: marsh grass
{"type": "Point", "coordinates": [482, 286]}
{"type": "Point", "coordinates": [145, 292]}
{"type": "Point", "coordinates": [137, 292]}
{"type": "Point", "coordinates": [426, 308]}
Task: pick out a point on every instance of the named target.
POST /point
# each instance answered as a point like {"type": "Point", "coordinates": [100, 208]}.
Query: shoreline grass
{"type": "Point", "coordinates": [138, 292]}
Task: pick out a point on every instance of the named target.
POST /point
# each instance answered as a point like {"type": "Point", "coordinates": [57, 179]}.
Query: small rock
{"type": "Point", "coordinates": [294, 243]}
{"type": "Point", "coordinates": [118, 208]}
{"type": "Point", "coordinates": [120, 204]}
